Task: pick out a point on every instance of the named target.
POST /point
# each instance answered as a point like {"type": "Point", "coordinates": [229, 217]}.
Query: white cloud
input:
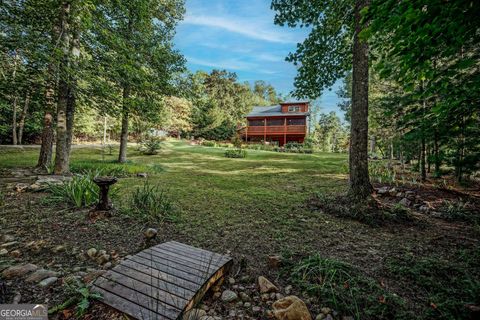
{"type": "Point", "coordinates": [248, 28]}
{"type": "Point", "coordinates": [229, 64]}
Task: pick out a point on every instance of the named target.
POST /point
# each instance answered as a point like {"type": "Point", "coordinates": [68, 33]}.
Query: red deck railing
{"type": "Point", "coordinates": [260, 130]}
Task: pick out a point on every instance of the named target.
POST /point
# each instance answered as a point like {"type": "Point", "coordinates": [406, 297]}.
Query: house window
{"type": "Point", "coordinates": [296, 122]}
{"type": "Point", "coordinates": [293, 108]}
{"type": "Point", "coordinates": [275, 122]}
{"type": "Point", "coordinates": [256, 123]}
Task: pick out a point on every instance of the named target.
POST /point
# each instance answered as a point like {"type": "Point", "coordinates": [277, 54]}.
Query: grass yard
{"type": "Point", "coordinates": [253, 208]}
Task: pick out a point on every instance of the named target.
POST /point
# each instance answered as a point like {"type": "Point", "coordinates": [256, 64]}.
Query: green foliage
{"type": "Point", "coordinates": [151, 145]}
{"type": "Point", "coordinates": [79, 192]}
{"type": "Point", "coordinates": [329, 134]}
{"type": "Point", "coordinates": [347, 290]}
{"type": "Point", "coordinates": [235, 153]}
{"type": "Point", "coordinates": [151, 203]}
{"type": "Point", "coordinates": [449, 284]}
{"type": "Point", "coordinates": [382, 172]}
{"type": "Point", "coordinates": [80, 295]}
{"type": "Point", "coordinates": [459, 210]}
{"type": "Point", "coordinates": [208, 143]}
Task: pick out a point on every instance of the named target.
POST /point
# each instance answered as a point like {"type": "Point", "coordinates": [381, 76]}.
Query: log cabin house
{"type": "Point", "coordinates": [279, 124]}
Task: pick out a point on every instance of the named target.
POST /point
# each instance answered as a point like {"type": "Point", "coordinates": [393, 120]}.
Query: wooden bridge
{"type": "Point", "coordinates": [161, 282]}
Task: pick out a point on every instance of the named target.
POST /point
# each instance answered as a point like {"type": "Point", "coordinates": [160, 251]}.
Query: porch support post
{"type": "Point", "coordinates": [284, 130]}
{"type": "Point", "coordinates": [265, 131]}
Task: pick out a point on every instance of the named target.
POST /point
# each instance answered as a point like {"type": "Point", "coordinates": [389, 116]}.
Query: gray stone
{"type": "Point", "coordinates": [400, 195]}
{"type": "Point", "coordinates": [383, 190]}
{"type": "Point", "coordinates": [18, 271]}
{"type": "Point", "coordinates": [229, 296]}
{"type": "Point", "coordinates": [247, 304]}
{"type": "Point", "coordinates": [329, 317]}
{"type": "Point", "coordinates": [45, 283]}
{"type": "Point", "coordinates": [102, 259]}
{"type": "Point", "coordinates": [392, 192]}
{"type": "Point", "coordinates": [142, 175]}
{"type": "Point", "coordinates": [40, 275]}
{"type": "Point", "coordinates": [17, 298]}
{"type": "Point", "coordinates": [405, 202]}
{"type": "Point", "coordinates": [256, 309]}
{"type": "Point", "coordinates": [3, 252]}
{"type": "Point", "coordinates": [8, 238]}
{"type": "Point", "coordinates": [321, 316]}
{"type": "Point", "coordinates": [231, 281]}
{"type": "Point", "coordinates": [59, 248]}
{"type": "Point", "coordinates": [21, 187]}
{"type": "Point", "coordinates": [288, 290]}
{"type": "Point", "coordinates": [244, 296]}
{"type": "Point", "coordinates": [424, 208]}
{"type": "Point", "coordinates": [326, 310]}
{"type": "Point", "coordinates": [9, 244]}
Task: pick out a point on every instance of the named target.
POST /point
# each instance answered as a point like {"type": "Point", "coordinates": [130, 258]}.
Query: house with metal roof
{"type": "Point", "coordinates": [279, 124]}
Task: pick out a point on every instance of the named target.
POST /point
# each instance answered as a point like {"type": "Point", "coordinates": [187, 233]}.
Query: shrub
{"type": "Point", "coordinates": [236, 153]}
{"type": "Point", "coordinates": [151, 146]}
{"type": "Point", "coordinates": [151, 203]}
{"type": "Point", "coordinates": [459, 211]}
{"type": "Point", "coordinates": [208, 143]}
{"type": "Point", "coordinates": [346, 289]}
{"type": "Point", "coordinates": [79, 192]}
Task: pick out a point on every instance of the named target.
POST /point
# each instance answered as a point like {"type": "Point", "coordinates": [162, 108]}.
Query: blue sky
{"type": "Point", "coordinates": [239, 36]}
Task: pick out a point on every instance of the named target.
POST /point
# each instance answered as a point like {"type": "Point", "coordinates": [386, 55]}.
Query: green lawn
{"type": "Point", "coordinates": [253, 208]}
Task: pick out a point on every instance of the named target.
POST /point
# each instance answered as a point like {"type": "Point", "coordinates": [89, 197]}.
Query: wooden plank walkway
{"type": "Point", "coordinates": [161, 282]}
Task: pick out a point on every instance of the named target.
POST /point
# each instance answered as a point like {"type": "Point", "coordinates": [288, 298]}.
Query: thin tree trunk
{"type": "Point", "coordinates": [61, 151]}
{"type": "Point", "coordinates": [45, 157]}
{"type": "Point", "coordinates": [104, 130]}
{"type": "Point", "coordinates": [428, 156]}
{"type": "Point", "coordinates": [422, 160]}
{"type": "Point", "coordinates": [360, 186]}
{"type": "Point", "coordinates": [122, 156]}
{"type": "Point", "coordinates": [436, 153]}
{"type": "Point", "coordinates": [14, 122]}
{"type": "Point", "coordinates": [21, 124]}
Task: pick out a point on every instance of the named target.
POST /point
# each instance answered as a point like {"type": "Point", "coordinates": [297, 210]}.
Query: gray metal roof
{"type": "Point", "coordinates": [273, 111]}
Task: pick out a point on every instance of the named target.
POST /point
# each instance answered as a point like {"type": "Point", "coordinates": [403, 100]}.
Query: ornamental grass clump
{"type": "Point", "coordinates": [151, 203]}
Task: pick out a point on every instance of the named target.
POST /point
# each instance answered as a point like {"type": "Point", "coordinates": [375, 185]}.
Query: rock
{"type": "Point", "coordinates": [329, 317]}
{"type": "Point", "coordinates": [392, 192]}
{"type": "Point", "coordinates": [107, 265]}
{"type": "Point", "coordinates": [290, 307]}
{"type": "Point", "coordinates": [92, 252]}
{"type": "Point", "coordinates": [21, 187]}
{"type": "Point", "coordinates": [383, 190]}
{"type": "Point", "coordinates": [40, 275]}
{"type": "Point", "coordinates": [321, 316]}
{"type": "Point", "coordinates": [8, 238]}
{"type": "Point", "coordinates": [16, 253]}
{"type": "Point", "coordinates": [265, 285]}
{"type": "Point", "coordinates": [273, 296]}
{"type": "Point", "coordinates": [405, 202]}
{"type": "Point", "coordinates": [142, 175]}
{"type": "Point", "coordinates": [92, 275]}
{"type": "Point", "coordinates": [194, 314]}
{"type": "Point", "coordinates": [239, 304]}
{"type": "Point", "coordinates": [244, 296]}
{"type": "Point", "coordinates": [216, 295]}
{"type": "Point", "coordinates": [59, 248]}
{"type": "Point", "coordinates": [279, 296]}
{"type": "Point", "coordinates": [410, 195]}
{"type": "Point", "coordinates": [18, 271]}
{"type": "Point", "coordinates": [247, 304]}
{"type": "Point", "coordinates": [326, 310]}
{"type": "Point", "coordinates": [424, 208]}
{"type": "Point", "coordinates": [256, 309]}
{"type": "Point", "coordinates": [102, 259]}
{"type": "Point", "coordinates": [45, 283]}
{"type": "Point", "coordinates": [265, 297]}
{"type": "Point", "coordinates": [229, 296]}
{"type": "Point", "coordinates": [17, 298]}
{"type": "Point", "coordinates": [288, 290]}
{"type": "Point", "coordinates": [3, 252]}
{"type": "Point", "coordinates": [274, 261]}
{"type": "Point", "coordinates": [9, 244]}
{"type": "Point", "coordinates": [400, 195]}
{"type": "Point", "coordinates": [150, 233]}
{"type": "Point", "coordinates": [231, 281]}
{"type": "Point", "coordinates": [36, 246]}
{"type": "Point", "coordinates": [34, 187]}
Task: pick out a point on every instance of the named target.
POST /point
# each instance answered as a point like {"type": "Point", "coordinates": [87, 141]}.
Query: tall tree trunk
{"type": "Point", "coordinates": [360, 186]}
{"type": "Point", "coordinates": [14, 122]}
{"type": "Point", "coordinates": [423, 171]}
{"type": "Point", "coordinates": [45, 157]}
{"type": "Point", "coordinates": [372, 144]}
{"type": "Point", "coordinates": [122, 155]}
{"type": "Point", "coordinates": [61, 151]}
{"type": "Point", "coordinates": [436, 153]}
{"type": "Point", "coordinates": [21, 124]}
{"type": "Point", "coordinates": [72, 98]}
{"type": "Point", "coordinates": [15, 100]}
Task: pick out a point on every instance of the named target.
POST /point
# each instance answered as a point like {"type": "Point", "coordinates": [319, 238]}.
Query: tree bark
{"type": "Point", "coordinates": [72, 88]}
{"type": "Point", "coordinates": [360, 186]}
{"type": "Point", "coordinates": [14, 122]}
{"type": "Point", "coordinates": [21, 124]}
{"type": "Point", "coordinates": [61, 151]}
{"type": "Point", "coordinates": [122, 155]}
{"type": "Point", "coordinates": [45, 157]}
{"type": "Point", "coordinates": [423, 170]}
{"type": "Point", "coordinates": [436, 153]}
